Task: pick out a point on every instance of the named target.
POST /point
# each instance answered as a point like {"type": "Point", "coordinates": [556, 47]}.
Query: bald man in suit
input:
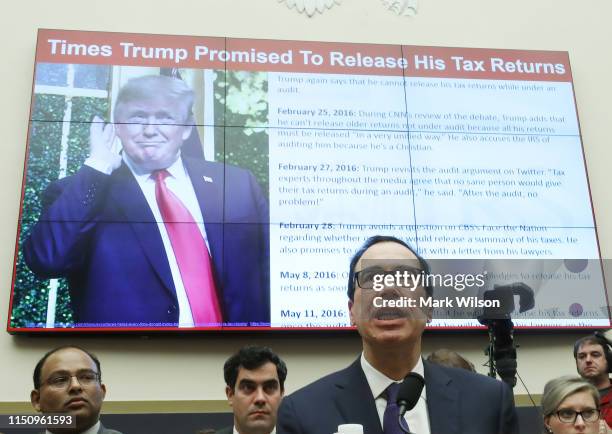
{"type": "Point", "coordinates": [68, 380]}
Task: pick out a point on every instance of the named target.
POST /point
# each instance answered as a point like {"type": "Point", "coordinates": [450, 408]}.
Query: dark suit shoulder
{"type": "Point", "coordinates": [458, 373]}
{"type": "Point", "coordinates": [212, 166]}
{"type": "Point", "coordinates": [465, 378]}
{"type": "Point", "coordinates": [86, 178]}
{"type": "Point", "coordinates": [474, 403]}
{"type": "Point", "coordinates": [214, 172]}
{"type": "Point", "coordinates": [324, 384]}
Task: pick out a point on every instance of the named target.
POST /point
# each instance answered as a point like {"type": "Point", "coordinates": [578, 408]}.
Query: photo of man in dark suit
{"type": "Point", "coordinates": [149, 237]}
{"type": "Point", "coordinates": [453, 401]}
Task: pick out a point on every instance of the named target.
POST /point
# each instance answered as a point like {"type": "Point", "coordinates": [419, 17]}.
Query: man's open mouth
{"type": "Point", "coordinates": [390, 313]}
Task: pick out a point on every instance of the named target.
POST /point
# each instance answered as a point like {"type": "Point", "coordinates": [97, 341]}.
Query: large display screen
{"type": "Point", "coordinates": [180, 183]}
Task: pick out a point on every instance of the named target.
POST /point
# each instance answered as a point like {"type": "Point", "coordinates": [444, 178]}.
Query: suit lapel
{"type": "Point", "coordinates": [442, 400]}
{"type": "Point", "coordinates": [128, 197]}
{"type": "Point", "coordinates": [208, 187]}
{"type": "Point", "coordinates": [353, 408]}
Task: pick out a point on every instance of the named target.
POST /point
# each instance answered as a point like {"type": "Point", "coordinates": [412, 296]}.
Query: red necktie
{"type": "Point", "coordinates": [191, 254]}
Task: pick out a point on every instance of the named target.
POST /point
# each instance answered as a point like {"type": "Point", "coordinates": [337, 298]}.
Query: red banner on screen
{"type": "Point", "coordinates": [65, 46]}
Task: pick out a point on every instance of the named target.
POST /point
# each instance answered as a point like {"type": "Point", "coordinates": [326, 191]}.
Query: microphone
{"type": "Point", "coordinates": [407, 397]}
{"type": "Point", "coordinates": [409, 392]}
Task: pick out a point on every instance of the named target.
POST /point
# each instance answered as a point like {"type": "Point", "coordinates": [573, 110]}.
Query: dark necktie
{"type": "Point", "coordinates": [391, 417]}
{"type": "Point", "coordinates": [191, 254]}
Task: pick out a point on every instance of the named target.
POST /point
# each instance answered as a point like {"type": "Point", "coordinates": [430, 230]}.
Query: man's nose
{"type": "Point", "coordinates": [260, 396]}
{"type": "Point", "coordinates": [391, 292]}
{"type": "Point", "coordinates": [74, 383]}
{"type": "Point", "coordinates": [149, 127]}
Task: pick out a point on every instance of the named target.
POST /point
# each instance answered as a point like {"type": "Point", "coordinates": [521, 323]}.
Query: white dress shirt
{"type": "Point", "coordinates": [236, 431]}
{"type": "Point", "coordinates": [417, 418]}
{"type": "Point", "coordinates": [93, 430]}
{"type": "Point", "coordinates": [178, 183]}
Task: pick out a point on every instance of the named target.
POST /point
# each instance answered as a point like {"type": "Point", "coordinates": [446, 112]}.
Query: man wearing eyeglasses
{"type": "Point", "coordinates": [68, 380]}
{"type": "Point", "coordinates": [453, 400]}
{"type": "Point", "coordinates": [149, 237]}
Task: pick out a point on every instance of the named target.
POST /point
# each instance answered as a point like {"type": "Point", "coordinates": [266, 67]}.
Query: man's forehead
{"type": "Point", "coordinates": [68, 359]}
{"type": "Point", "coordinates": [265, 372]}
{"type": "Point", "coordinates": [589, 348]}
{"type": "Point", "coordinates": [151, 104]}
{"type": "Point", "coordinates": [389, 251]}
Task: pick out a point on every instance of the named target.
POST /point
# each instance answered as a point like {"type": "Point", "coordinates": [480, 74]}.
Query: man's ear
{"type": "Point", "coordinates": [230, 395]}
{"type": "Point", "coordinates": [103, 387]}
{"type": "Point", "coordinates": [188, 129]}
{"type": "Point", "coordinates": [35, 399]}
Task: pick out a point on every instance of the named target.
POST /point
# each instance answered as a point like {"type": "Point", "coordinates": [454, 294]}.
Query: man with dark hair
{"type": "Point", "coordinates": [149, 237]}
{"type": "Point", "coordinates": [592, 355]}
{"type": "Point", "coordinates": [69, 380]}
{"type": "Point", "coordinates": [255, 384]}
{"type": "Point", "coordinates": [365, 393]}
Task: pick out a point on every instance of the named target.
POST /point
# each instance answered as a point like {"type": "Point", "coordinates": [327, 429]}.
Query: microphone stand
{"type": "Point", "coordinates": [407, 397]}
{"type": "Point", "coordinates": [402, 426]}
{"type": "Point", "coordinates": [501, 349]}
{"type": "Point", "coordinates": [490, 351]}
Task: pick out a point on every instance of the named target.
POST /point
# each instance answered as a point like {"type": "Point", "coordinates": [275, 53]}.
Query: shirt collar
{"type": "Point", "coordinates": [92, 430]}
{"type": "Point", "coordinates": [379, 382]}
{"type": "Point", "coordinates": [176, 169]}
{"type": "Point", "coordinates": [236, 431]}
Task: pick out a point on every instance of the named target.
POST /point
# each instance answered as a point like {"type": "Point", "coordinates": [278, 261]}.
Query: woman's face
{"type": "Point", "coordinates": [577, 402]}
